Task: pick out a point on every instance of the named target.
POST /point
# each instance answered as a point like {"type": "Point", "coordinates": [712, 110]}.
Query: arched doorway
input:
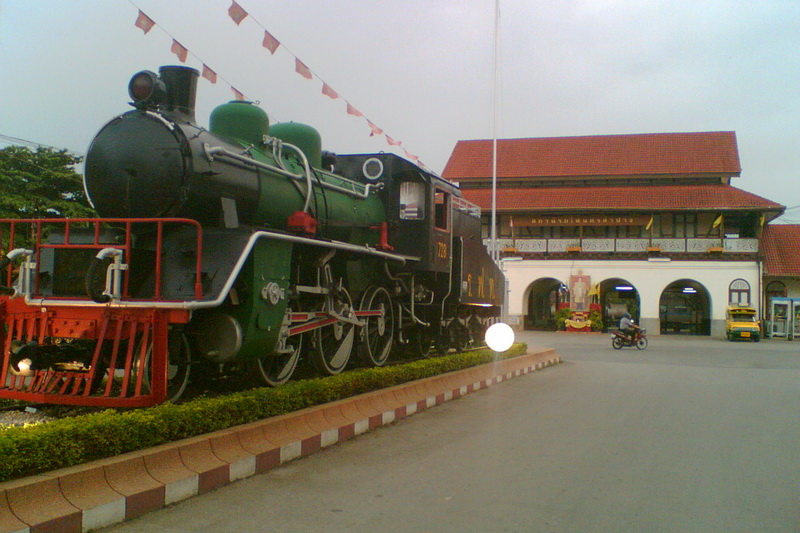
{"type": "Point", "coordinates": [618, 296]}
{"type": "Point", "coordinates": [775, 289]}
{"type": "Point", "coordinates": [685, 309]}
{"type": "Point", "coordinates": [544, 298]}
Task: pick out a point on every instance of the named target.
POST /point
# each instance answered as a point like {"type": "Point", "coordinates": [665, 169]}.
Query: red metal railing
{"type": "Point", "coordinates": [36, 229]}
{"type": "Point", "coordinates": [127, 366]}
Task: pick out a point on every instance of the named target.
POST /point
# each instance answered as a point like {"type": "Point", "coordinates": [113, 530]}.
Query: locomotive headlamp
{"type": "Point", "coordinates": [21, 363]}
{"type": "Point", "coordinates": [146, 89]}
{"type": "Point", "coordinates": [24, 367]}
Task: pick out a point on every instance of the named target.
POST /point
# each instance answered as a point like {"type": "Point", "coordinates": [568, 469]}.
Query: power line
{"type": "Point", "coordinates": [17, 140]}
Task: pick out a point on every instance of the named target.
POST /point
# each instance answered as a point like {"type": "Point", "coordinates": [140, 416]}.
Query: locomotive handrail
{"type": "Point", "coordinates": [192, 305]}
{"type": "Point", "coordinates": [11, 256]}
{"type": "Point", "coordinates": [465, 206]}
{"type": "Point", "coordinates": [212, 151]}
{"type": "Point", "coordinates": [278, 144]}
{"type": "Point", "coordinates": [113, 278]}
{"type": "Point", "coordinates": [24, 281]}
{"type": "Point", "coordinates": [289, 238]}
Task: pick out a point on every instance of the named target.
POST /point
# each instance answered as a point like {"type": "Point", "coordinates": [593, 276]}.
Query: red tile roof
{"type": "Point", "coordinates": [624, 198]}
{"type": "Point", "coordinates": [683, 154]}
{"type": "Point", "coordinates": [781, 245]}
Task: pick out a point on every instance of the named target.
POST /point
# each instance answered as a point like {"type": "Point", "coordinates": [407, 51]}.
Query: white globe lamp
{"type": "Point", "coordinates": [499, 337]}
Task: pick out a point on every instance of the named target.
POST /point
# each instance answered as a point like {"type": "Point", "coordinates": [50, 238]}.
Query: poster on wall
{"type": "Point", "coordinates": [579, 292]}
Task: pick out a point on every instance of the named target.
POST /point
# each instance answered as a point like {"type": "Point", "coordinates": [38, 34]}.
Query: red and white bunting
{"type": "Point", "coordinates": [375, 130]}
{"type": "Point", "coordinates": [353, 111]}
{"type": "Point", "coordinates": [302, 69]}
{"type": "Point", "coordinates": [270, 42]}
{"type": "Point", "coordinates": [237, 13]}
{"type": "Point", "coordinates": [179, 50]}
{"type": "Point", "coordinates": [392, 142]}
{"type": "Point", "coordinates": [327, 91]}
{"type": "Point", "coordinates": [209, 74]}
{"type": "Point", "coordinates": [144, 23]}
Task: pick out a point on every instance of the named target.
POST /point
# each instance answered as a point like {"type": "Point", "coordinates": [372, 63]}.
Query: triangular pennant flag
{"type": "Point", "coordinates": [239, 96]}
{"type": "Point", "coordinates": [237, 13]}
{"type": "Point", "coordinates": [327, 91]}
{"type": "Point", "coordinates": [375, 129]}
{"type": "Point", "coordinates": [353, 111]}
{"type": "Point", "coordinates": [144, 23]}
{"type": "Point", "coordinates": [179, 50]}
{"type": "Point", "coordinates": [270, 42]}
{"type": "Point", "coordinates": [392, 142]}
{"type": "Point", "coordinates": [415, 159]}
{"type": "Point", "coordinates": [301, 69]}
{"type": "Point", "coordinates": [209, 74]}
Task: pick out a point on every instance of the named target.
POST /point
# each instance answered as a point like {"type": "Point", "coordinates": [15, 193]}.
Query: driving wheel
{"type": "Point", "coordinates": [276, 368]}
{"type": "Point", "coordinates": [332, 345]}
{"type": "Point", "coordinates": [377, 335]}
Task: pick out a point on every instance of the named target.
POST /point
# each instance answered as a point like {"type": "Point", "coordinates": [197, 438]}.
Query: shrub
{"type": "Point", "coordinates": [560, 318]}
{"type": "Point", "coordinates": [596, 318]}
{"type": "Point", "coordinates": [40, 448]}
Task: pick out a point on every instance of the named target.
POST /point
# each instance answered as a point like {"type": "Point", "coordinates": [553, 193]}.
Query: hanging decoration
{"type": "Point", "coordinates": [327, 91]}
{"type": "Point", "coordinates": [270, 42]}
{"type": "Point", "coordinates": [144, 23]}
{"type": "Point", "coordinates": [238, 14]}
{"type": "Point", "coordinates": [302, 69]}
{"type": "Point", "coordinates": [209, 74]}
{"type": "Point", "coordinates": [179, 50]}
{"type": "Point", "coordinates": [353, 111]}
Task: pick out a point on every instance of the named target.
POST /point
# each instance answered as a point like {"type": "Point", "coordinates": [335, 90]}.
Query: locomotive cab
{"type": "Point", "coordinates": [419, 206]}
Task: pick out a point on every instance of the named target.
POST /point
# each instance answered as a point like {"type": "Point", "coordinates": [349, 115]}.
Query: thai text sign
{"type": "Point", "coordinates": [583, 220]}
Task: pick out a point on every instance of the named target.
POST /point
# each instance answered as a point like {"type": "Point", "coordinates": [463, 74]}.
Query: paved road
{"type": "Point", "coordinates": [691, 435]}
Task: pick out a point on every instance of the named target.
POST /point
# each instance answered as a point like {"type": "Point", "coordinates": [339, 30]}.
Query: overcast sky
{"type": "Point", "coordinates": [422, 70]}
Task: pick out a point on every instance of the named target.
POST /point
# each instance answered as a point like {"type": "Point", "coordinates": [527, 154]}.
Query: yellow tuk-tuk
{"type": "Point", "coordinates": [741, 323]}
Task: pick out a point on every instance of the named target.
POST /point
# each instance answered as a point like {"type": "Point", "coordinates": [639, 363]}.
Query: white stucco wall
{"type": "Point", "coordinates": [650, 278]}
{"type": "Point", "coordinates": [792, 288]}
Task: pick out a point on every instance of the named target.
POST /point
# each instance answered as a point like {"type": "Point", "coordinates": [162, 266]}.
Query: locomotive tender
{"type": "Point", "coordinates": [243, 247]}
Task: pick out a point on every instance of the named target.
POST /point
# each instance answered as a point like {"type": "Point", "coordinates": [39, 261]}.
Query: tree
{"type": "Point", "coordinates": [41, 184]}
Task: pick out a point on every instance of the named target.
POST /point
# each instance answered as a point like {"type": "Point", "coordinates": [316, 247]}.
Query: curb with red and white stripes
{"type": "Point", "coordinates": [109, 491]}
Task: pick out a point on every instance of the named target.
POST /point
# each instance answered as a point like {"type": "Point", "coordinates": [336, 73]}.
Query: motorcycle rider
{"type": "Point", "coordinates": [628, 327]}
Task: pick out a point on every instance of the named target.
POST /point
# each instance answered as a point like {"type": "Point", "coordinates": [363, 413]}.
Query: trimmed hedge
{"type": "Point", "coordinates": [40, 448]}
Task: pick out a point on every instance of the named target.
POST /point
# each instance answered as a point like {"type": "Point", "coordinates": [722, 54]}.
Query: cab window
{"type": "Point", "coordinates": [412, 200]}
{"type": "Point", "coordinates": [442, 214]}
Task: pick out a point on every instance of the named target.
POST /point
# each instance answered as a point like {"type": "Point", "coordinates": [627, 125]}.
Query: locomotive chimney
{"type": "Point", "coordinates": [181, 83]}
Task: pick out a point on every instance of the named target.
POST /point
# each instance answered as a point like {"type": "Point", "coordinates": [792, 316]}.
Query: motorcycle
{"type": "Point", "coordinates": [620, 340]}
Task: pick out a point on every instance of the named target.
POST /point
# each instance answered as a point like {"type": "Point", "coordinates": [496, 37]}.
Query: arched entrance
{"type": "Point", "coordinates": [685, 309]}
{"type": "Point", "coordinates": [618, 296]}
{"type": "Point", "coordinates": [544, 297]}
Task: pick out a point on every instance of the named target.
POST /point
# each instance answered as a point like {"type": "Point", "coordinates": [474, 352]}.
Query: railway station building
{"type": "Point", "coordinates": [781, 246]}
{"type": "Point", "coordinates": [648, 224]}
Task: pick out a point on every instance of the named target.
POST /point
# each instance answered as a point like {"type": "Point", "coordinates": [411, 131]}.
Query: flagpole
{"type": "Point", "coordinates": [499, 330]}
{"type": "Point", "coordinates": [493, 232]}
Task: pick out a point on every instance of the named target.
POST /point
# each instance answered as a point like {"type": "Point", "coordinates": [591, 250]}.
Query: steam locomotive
{"type": "Point", "coordinates": [241, 247]}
